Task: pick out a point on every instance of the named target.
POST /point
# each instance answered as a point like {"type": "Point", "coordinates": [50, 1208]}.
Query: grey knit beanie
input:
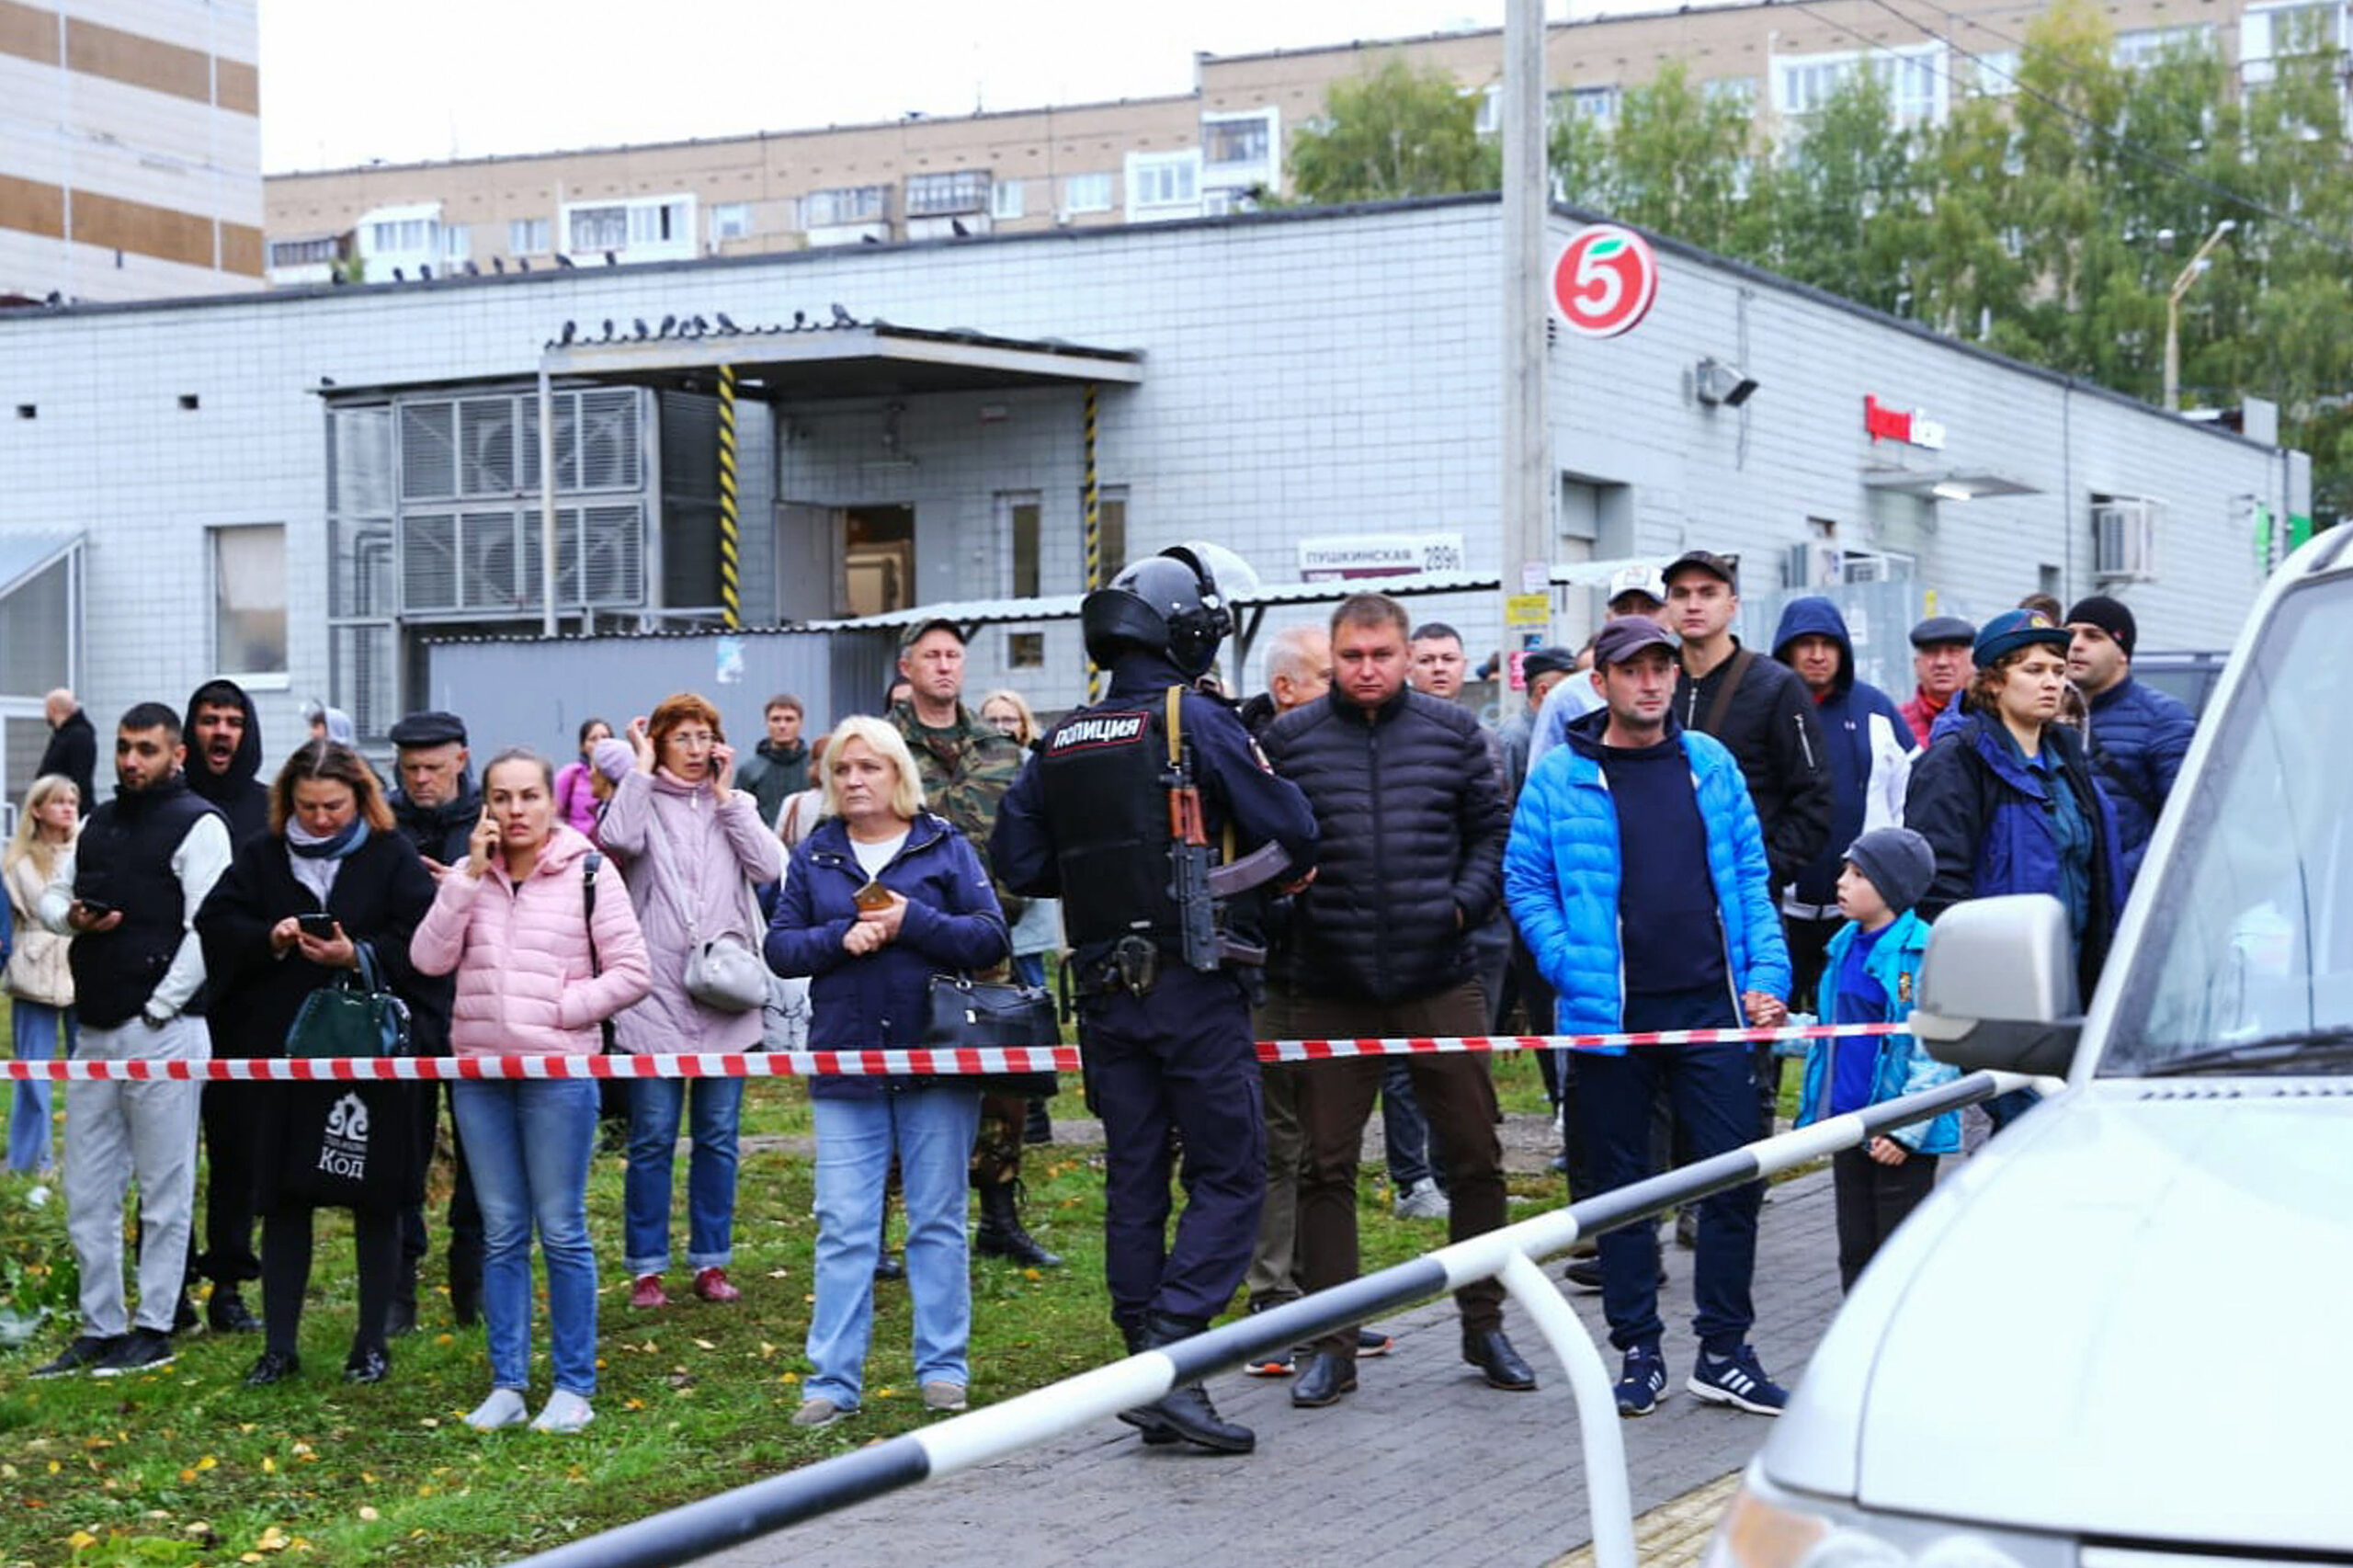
{"type": "Point", "coordinates": [1899, 863]}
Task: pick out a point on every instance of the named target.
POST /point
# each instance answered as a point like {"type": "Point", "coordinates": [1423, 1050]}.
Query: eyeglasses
{"type": "Point", "coordinates": [695, 738]}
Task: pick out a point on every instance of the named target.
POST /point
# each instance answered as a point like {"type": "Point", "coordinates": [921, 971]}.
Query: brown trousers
{"type": "Point", "coordinates": [1458, 1096]}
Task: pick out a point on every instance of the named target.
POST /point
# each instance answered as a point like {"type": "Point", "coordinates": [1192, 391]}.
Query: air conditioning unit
{"type": "Point", "coordinates": [1811, 565]}
{"type": "Point", "coordinates": [2124, 538]}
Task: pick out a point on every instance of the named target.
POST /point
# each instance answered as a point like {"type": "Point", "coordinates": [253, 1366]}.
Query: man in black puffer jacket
{"type": "Point", "coordinates": [1412, 825]}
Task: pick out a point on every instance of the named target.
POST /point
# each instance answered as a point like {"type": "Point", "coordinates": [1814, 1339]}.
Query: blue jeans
{"type": "Point", "coordinates": [1030, 968]}
{"type": "Point", "coordinates": [1713, 1090]}
{"type": "Point", "coordinates": [653, 1106]}
{"type": "Point", "coordinates": [1405, 1138]}
{"type": "Point", "coordinates": [36, 1027]}
{"type": "Point", "coordinates": [529, 1143]}
{"type": "Point", "coordinates": [931, 1129]}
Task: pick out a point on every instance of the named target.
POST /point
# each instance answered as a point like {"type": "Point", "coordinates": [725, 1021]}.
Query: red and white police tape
{"type": "Point", "coordinates": [843, 1064]}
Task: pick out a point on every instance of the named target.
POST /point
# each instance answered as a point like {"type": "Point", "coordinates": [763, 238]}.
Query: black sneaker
{"type": "Point", "coordinates": [86, 1351]}
{"type": "Point", "coordinates": [142, 1350]}
{"type": "Point", "coordinates": [226, 1313]}
{"type": "Point", "coordinates": [1641, 1381]}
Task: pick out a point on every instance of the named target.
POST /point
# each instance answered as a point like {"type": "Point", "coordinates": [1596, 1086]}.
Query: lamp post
{"type": "Point", "coordinates": [2181, 286]}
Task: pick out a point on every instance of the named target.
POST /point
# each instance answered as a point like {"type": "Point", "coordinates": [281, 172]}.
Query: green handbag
{"type": "Point", "coordinates": [353, 1014]}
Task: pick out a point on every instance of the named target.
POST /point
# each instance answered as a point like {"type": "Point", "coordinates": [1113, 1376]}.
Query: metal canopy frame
{"type": "Point", "coordinates": [844, 358]}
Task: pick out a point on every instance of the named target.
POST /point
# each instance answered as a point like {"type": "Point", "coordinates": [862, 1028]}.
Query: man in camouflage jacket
{"type": "Point", "coordinates": [966, 768]}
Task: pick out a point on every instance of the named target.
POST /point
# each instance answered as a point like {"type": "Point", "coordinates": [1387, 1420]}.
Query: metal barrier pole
{"type": "Point", "coordinates": [1609, 1494]}
{"type": "Point", "coordinates": [1000, 1430]}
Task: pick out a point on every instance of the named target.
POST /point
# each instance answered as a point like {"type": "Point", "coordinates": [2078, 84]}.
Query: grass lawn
{"type": "Point", "coordinates": [187, 1466]}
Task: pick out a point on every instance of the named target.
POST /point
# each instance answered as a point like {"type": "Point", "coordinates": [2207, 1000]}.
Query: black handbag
{"type": "Point", "coordinates": [965, 1014]}
{"type": "Point", "coordinates": [352, 1014]}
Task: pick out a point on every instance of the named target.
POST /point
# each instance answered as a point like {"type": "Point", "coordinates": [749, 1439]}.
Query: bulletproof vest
{"type": "Point", "coordinates": [124, 859]}
{"type": "Point", "coordinates": [1102, 769]}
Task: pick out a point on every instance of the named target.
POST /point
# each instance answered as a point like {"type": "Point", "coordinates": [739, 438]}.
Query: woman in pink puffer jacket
{"type": "Point", "coordinates": [536, 971]}
{"type": "Point", "coordinates": [691, 848]}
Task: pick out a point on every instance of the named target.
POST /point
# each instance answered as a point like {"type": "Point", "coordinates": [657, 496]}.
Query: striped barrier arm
{"type": "Point", "coordinates": [1002, 1430]}
{"type": "Point", "coordinates": [834, 1063]}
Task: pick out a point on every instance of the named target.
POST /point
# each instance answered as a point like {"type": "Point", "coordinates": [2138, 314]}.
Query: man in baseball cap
{"type": "Point", "coordinates": [1636, 590]}
{"type": "Point", "coordinates": [1940, 669]}
{"type": "Point", "coordinates": [1647, 924]}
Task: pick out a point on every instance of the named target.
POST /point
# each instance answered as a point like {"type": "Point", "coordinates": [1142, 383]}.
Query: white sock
{"type": "Point", "coordinates": [503, 1408]}
{"type": "Point", "coordinates": [566, 1412]}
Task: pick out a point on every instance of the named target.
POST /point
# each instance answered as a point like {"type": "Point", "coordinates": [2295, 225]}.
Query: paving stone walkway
{"type": "Point", "coordinates": [1424, 1467]}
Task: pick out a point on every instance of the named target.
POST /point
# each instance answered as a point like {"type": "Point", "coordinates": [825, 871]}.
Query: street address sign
{"type": "Point", "coordinates": [1604, 281]}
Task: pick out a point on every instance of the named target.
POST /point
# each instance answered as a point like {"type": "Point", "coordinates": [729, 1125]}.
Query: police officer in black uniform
{"type": "Point", "coordinates": [1148, 815]}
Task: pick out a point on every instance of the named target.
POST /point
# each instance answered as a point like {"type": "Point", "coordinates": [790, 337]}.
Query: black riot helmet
{"type": "Point", "coordinates": [1167, 604]}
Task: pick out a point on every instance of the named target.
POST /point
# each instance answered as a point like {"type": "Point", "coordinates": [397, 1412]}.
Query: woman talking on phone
{"type": "Point", "coordinates": [691, 848]}
{"type": "Point", "coordinates": [544, 946]}
{"type": "Point", "coordinates": [330, 889]}
{"type": "Point", "coordinates": [881, 898]}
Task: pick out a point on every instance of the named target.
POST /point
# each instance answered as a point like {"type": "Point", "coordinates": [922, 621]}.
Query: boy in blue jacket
{"type": "Point", "coordinates": [1869, 973]}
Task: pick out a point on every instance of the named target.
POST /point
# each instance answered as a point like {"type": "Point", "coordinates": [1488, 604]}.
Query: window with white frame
{"type": "Point", "coordinates": [2143, 47]}
{"type": "Point", "coordinates": [1741, 90]}
{"type": "Point", "coordinates": [527, 236]}
{"type": "Point", "coordinates": [1596, 104]}
{"type": "Point", "coordinates": [948, 192]}
{"type": "Point", "coordinates": [1997, 73]}
{"type": "Point", "coordinates": [1163, 180]}
{"type": "Point", "coordinates": [1005, 198]}
{"type": "Point", "coordinates": [457, 241]}
{"type": "Point", "coordinates": [1087, 193]}
{"type": "Point", "coordinates": [598, 228]}
{"type": "Point", "coordinates": [304, 253]}
{"type": "Point", "coordinates": [2270, 33]}
{"type": "Point", "coordinates": [730, 220]}
{"type": "Point", "coordinates": [1914, 77]}
{"type": "Point", "coordinates": [1488, 119]}
{"type": "Point", "coordinates": [401, 234]}
{"type": "Point", "coordinates": [249, 598]}
{"type": "Point", "coordinates": [1243, 140]}
{"type": "Point", "coordinates": [844, 204]}
{"type": "Point", "coordinates": [657, 222]}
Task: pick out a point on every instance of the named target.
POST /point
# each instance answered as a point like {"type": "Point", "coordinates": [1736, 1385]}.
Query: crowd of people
{"type": "Point", "coordinates": [1668, 830]}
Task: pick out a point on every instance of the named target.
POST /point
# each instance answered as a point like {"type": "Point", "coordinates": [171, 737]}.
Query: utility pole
{"type": "Point", "coordinates": [1525, 491]}
{"type": "Point", "coordinates": [2181, 287]}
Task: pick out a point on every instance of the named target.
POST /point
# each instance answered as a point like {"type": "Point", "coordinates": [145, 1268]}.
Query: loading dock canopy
{"type": "Point", "coordinates": [844, 358]}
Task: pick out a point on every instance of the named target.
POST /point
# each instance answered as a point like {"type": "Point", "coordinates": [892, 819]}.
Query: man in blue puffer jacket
{"type": "Point", "coordinates": [1632, 788]}
{"type": "Point", "coordinates": [1870, 754]}
{"type": "Point", "coordinates": [2139, 734]}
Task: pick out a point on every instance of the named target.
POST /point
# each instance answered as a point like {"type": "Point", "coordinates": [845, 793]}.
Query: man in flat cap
{"type": "Point", "coordinates": [1941, 667]}
{"type": "Point", "coordinates": [436, 806]}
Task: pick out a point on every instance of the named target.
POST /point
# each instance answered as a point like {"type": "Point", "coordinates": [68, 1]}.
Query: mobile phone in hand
{"type": "Point", "coordinates": [95, 908]}
{"type": "Point", "coordinates": [321, 925]}
{"type": "Point", "coordinates": [873, 896]}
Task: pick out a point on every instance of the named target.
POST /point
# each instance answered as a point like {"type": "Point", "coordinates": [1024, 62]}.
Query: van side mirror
{"type": "Point", "coordinates": [1998, 987]}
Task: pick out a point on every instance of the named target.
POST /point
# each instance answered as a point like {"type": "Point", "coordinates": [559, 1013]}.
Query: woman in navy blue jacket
{"type": "Point", "coordinates": [2006, 799]}
{"type": "Point", "coordinates": [929, 910]}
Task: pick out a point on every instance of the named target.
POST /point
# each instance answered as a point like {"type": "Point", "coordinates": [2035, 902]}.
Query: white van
{"type": "Point", "coordinates": [2113, 1338]}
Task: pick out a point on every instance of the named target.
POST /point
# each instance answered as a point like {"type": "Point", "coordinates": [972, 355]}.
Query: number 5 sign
{"type": "Point", "coordinates": [1604, 281]}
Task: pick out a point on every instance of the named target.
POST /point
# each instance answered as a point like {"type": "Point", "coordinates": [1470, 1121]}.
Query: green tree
{"type": "Point", "coordinates": [1847, 205]}
{"type": "Point", "coordinates": [1675, 161]}
{"type": "Point", "coordinates": [1395, 131]}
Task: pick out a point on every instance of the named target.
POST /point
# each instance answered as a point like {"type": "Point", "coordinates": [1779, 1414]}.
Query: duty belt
{"type": "Point", "coordinates": [1132, 967]}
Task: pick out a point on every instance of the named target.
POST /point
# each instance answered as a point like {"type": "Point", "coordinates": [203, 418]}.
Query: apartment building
{"type": "Point", "coordinates": [129, 148]}
{"type": "Point", "coordinates": [1139, 161]}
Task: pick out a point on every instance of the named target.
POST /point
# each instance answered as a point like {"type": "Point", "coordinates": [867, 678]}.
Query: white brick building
{"type": "Point", "coordinates": [301, 489]}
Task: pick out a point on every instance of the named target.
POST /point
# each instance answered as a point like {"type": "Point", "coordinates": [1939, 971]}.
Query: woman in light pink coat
{"type": "Point", "coordinates": [545, 947]}
{"type": "Point", "coordinates": [691, 848]}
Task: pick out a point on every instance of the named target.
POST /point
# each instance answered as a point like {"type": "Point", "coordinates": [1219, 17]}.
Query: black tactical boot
{"type": "Point", "coordinates": [1187, 1411]}
{"type": "Point", "coordinates": [1000, 1234]}
{"type": "Point", "coordinates": [1155, 1432]}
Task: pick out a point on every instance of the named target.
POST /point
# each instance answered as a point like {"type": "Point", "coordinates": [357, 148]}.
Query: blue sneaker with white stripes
{"type": "Point", "coordinates": [1737, 1380]}
{"type": "Point", "coordinates": [1641, 1381]}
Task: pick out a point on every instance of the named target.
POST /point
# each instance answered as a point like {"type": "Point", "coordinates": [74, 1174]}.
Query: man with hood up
{"type": "Point", "coordinates": [223, 739]}
{"type": "Point", "coordinates": [1869, 757]}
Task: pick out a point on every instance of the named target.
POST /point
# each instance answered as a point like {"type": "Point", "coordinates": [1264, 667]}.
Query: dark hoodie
{"type": "Point", "coordinates": [237, 790]}
{"type": "Point", "coordinates": [1844, 710]}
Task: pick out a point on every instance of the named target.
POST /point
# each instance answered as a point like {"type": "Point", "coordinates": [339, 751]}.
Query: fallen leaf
{"type": "Point", "coordinates": [368, 1512]}
{"type": "Point", "coordinates": [705, 1344]}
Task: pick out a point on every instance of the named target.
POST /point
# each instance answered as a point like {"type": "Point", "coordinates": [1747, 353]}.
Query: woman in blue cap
{"type": "Point", "coordinates": [2006, 800]}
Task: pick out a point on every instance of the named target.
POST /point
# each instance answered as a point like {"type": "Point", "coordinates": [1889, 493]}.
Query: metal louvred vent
{"type": "Point", "coordinates": [486, 446]}
{"type": "Point", "coordinates": [359, 462]}
{"type": "Point", "coordinates": [428, 450]}
{"type": "Point", "coordinates": [610, 443]}
{"type": "Point", "coordinates": [493, 562]}
{"type": "Point", "coordinates": [429, 562]}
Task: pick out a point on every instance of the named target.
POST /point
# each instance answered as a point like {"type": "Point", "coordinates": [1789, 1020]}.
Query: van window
{"type": "Point", "coordinates": [2251, 936]}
